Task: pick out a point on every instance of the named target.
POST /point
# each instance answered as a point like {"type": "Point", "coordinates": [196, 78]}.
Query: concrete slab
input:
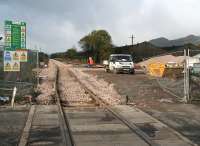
{"type": "Point", "coordinates": [41, 135]}
{"type": "Point", "coordinates": [12, 122]}
{"type": "Point", "coordinates": [157, 131]}
{"type": "Point", "coordinates": [101, 128]}
{"type": "Point", "coordinates": [45, 129]}
{"type": "Point", "coordinates": [46, 119]}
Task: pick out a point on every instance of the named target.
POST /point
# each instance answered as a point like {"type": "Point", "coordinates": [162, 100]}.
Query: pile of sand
{"type": "Point", "coordinates": [162, 59]}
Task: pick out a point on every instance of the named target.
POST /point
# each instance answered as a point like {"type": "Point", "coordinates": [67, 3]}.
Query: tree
{"type": "Point", "coordinates": [97, 44]}
{"type": "Point", "coordinates": [71, 53]}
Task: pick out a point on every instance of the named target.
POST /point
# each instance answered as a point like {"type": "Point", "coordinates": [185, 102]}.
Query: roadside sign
{"type": "Point", "coordinates": [15, 45]}
{"type": "Point", "coordinates": [7, 66]}
{"type": "Point", "coordinates": [16, 66]}
{"type": "Point", "coordinates": [22, 55]}
{"type": "Point", "coordinates": [15, 35]}
{"type": "Point", "coordinates": [11, 66]}
{"type": "Point", "coordinates": [12, 60]}
{"type": "Point", "coordinates": [16, 56]}
{"type": "Point", "coordinates": [7, 55]}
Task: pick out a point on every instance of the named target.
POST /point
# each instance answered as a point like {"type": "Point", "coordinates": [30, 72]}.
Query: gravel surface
{"type": "Point", "coordinates": [72, 91]}
{"type": "Point", "coordinates": [101, 88]}
{"type": "Point", "coordinates": [47, 88]}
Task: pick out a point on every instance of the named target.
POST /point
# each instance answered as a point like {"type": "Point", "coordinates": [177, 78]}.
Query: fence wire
{"type": "Point", "coordinates": [174, 78]}
{"type": "Point", "coordinates": [23, 80]}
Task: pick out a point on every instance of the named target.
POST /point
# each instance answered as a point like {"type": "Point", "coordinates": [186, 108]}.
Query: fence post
{"type": "Point", "coordinates": [185, 66]}
{"type": "Point", "coordinates": [186, 76]}
{"type": "Point", "coordinates": [13, 97]}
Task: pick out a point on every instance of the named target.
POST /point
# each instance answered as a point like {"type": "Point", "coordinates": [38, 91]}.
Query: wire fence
{"type": "Point", "coordinates": [183, 80]}
{"type": "Point", "coordinates": [194, 82]}
{"type": "Point", "coordinates": [24, 80]}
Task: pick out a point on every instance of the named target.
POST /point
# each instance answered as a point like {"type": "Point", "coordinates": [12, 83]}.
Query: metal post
{"type": "Point", "coordinates": [188, 77]}
{"type": "Point", "coordinates": [185, 70]}
{"type": "Point", "coordinates": [13, 97]}
{"type": "Point", "coordinates": [37, 68]}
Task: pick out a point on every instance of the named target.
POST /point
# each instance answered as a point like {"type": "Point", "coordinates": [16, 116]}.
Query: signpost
{"type": "Point", "coordinates": [15, 46]}
{"type": "Point", "coordinates": [15, 35]}
{"type": "Point", "coordinates": [11, 61]}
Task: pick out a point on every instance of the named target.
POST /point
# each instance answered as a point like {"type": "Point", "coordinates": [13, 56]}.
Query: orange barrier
{"type": "Point", "coordinates": [156, 69]}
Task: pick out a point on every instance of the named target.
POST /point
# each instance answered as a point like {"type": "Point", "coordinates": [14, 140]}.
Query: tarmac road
{"type": "Point", "coordinates": [12, 124]}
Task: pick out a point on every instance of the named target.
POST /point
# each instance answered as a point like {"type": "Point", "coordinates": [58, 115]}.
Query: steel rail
{"type": "Point", "coordinates": [65, 128]}
{"type": "Point", "coordinates": [131, 126]}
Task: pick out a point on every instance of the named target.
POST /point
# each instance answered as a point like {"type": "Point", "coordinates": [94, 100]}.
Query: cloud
{"type": "Point", "coordinates": [58, 25]}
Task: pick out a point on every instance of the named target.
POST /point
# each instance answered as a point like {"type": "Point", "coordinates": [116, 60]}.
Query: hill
{"type": "Point", "coordinates": [146, 50]}
{"type": "Point", "coordinates": [164, 42]}
{"type": "Point", "coordinates": [139, 51]}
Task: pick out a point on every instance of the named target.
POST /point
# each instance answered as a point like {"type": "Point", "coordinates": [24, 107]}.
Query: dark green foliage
{"type": "Point", "coordinates": [58, 55]}
{"type": "Point", "coordinates": [97, 44]}
{"type": "Point", "coordinates": [71, 53]}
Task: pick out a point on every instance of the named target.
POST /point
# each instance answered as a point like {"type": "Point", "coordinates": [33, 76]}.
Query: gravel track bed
{"type": "Point", "coordinates": [47, 88]}
{"type": "Point", "coordinates": [70, 90]}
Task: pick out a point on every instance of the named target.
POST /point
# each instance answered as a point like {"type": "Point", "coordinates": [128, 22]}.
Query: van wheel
{"type": "Point", "coordinates": [132, 72]}
{"type": "Point", "coordinates": [115, 71]}
{"type": "Point", "coordinates": [107, 70]}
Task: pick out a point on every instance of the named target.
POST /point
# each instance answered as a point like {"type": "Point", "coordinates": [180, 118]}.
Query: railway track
{"type": "Point", "coordinates": [98, 124]}
{"type": "Point", "coordinates": [92, 124]}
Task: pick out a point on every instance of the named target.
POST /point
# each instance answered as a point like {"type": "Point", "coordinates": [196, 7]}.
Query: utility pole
{"type": "Point", "coordinates": [132, 38]}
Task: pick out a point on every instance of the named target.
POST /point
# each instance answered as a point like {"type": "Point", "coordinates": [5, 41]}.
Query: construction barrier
{"type": "Point", "coordinates": [156, 69]}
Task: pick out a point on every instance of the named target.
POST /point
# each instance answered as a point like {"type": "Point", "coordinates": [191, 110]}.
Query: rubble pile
{"type": "Point", "coordinates": [71, 92]}
{"type": "Point", "coordinates": [47, 88]}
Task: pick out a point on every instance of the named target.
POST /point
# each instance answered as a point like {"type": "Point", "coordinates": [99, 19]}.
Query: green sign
{"type": "Point", "coordinates": [15, 35]}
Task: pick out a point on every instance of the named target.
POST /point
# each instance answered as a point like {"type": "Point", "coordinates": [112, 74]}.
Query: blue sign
{"type": "Point", "coordinates": [7, 56]}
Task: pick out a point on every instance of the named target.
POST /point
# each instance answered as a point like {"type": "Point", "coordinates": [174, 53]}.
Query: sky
{"type": "Point", "coordinates": [57, 25]}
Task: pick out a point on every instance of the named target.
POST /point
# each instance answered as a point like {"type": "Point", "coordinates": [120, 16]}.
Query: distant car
{"type": "Point", "coordinates": [119, 63]}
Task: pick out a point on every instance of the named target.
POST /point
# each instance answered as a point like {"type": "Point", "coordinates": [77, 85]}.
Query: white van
{"type": "Point", "coordinates": [120, 63]}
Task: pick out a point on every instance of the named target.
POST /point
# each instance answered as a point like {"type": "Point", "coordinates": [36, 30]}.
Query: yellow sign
{"type": "Point", "coordinates": [11, 66]}
{"type": "Point", "coordinates": [16, 56]}
{"type": "Point", "coordinates": [12, 59]}
{"type": "Point", "coordinates": [7, 66]}
{"type": "Point", "coordinates": [22, 55]}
